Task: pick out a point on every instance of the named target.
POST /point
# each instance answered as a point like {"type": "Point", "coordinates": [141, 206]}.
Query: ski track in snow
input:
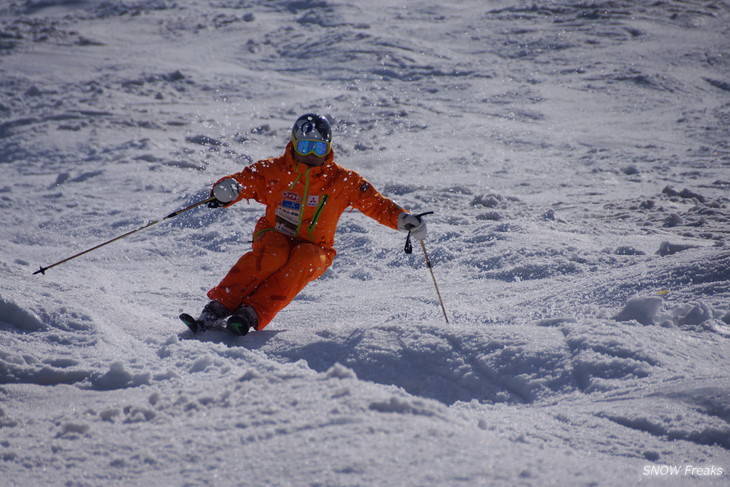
{"type": "Point", "coordinates": [575, 155]}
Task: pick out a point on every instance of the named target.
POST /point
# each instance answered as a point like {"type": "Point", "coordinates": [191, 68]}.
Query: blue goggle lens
{"type": "Point", "coordinates": [306, 147]}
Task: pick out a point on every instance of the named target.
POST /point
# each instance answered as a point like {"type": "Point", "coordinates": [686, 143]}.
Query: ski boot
{"type": "Point", "coordinates": [243, 319]}
{"type": "Point", "coordinates": [211, 316]}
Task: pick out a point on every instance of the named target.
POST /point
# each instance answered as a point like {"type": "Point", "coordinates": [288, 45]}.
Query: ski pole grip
{"type": "Point", "coordinates": [408, 249]}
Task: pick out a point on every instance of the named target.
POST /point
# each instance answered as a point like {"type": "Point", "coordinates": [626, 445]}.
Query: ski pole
{"type": "Point", "coordinates": [43, 270]}
{"type": "Point", "coordinates": [433, 277]}
{"type": "Point", "coordinates": [409, 249]}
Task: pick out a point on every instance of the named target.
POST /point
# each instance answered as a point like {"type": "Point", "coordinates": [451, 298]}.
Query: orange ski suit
{"type": "Point", "coordinates": [293, 243]}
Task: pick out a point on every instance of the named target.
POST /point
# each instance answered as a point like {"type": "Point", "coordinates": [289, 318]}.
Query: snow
{"type": "Point", "coordinates": [575, 155]}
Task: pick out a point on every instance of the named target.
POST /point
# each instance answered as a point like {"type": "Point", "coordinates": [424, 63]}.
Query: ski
{"type": "Point", "coordinates": [194, 325]}
{"type": "Point", "coordinates": [238, 325]}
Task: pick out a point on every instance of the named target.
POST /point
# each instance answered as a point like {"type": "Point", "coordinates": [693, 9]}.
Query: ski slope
{"type": "Point", "coordinates": [575, 156]}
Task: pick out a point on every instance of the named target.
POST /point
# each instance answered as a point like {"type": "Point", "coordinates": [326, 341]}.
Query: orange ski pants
{"type": "Point", "coordinates": [270, 276]}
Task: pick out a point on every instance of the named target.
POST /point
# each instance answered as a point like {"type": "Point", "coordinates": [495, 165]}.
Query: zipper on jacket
{"type": "Point", "coordinates": [291, 186]}
{"type": "Point", "coordinates": [322, 202]}
{"type": "Point", "coordinates": [304, 200]}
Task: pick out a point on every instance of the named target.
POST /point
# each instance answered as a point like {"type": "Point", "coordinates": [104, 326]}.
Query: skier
{"type": "Point", "coordinates": [305, 193]}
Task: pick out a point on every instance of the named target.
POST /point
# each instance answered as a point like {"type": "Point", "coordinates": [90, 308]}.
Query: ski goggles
{"type": "Point", "coordinates": [306, 147]}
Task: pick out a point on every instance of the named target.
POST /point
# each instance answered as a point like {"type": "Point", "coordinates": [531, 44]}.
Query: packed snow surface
{"type": "Point", "coordinates": [575, 155]}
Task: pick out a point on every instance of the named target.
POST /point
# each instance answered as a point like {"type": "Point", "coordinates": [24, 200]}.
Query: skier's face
{"type": "Point", "coordinates": [311, 159]}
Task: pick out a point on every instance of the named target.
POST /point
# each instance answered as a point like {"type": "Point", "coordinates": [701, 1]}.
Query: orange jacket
{"type": "Point", "coordinates": [305, 202]}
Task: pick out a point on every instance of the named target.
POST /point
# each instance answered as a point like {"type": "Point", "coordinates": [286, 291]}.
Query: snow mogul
{"type": "Point", "coordinates": [305, 192]}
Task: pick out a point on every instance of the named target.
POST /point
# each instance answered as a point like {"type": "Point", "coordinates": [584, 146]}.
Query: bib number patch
{"type": "Point", "coordinates": [287, 215]}
{"type": "Point", "coordinates": [286, 222]}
